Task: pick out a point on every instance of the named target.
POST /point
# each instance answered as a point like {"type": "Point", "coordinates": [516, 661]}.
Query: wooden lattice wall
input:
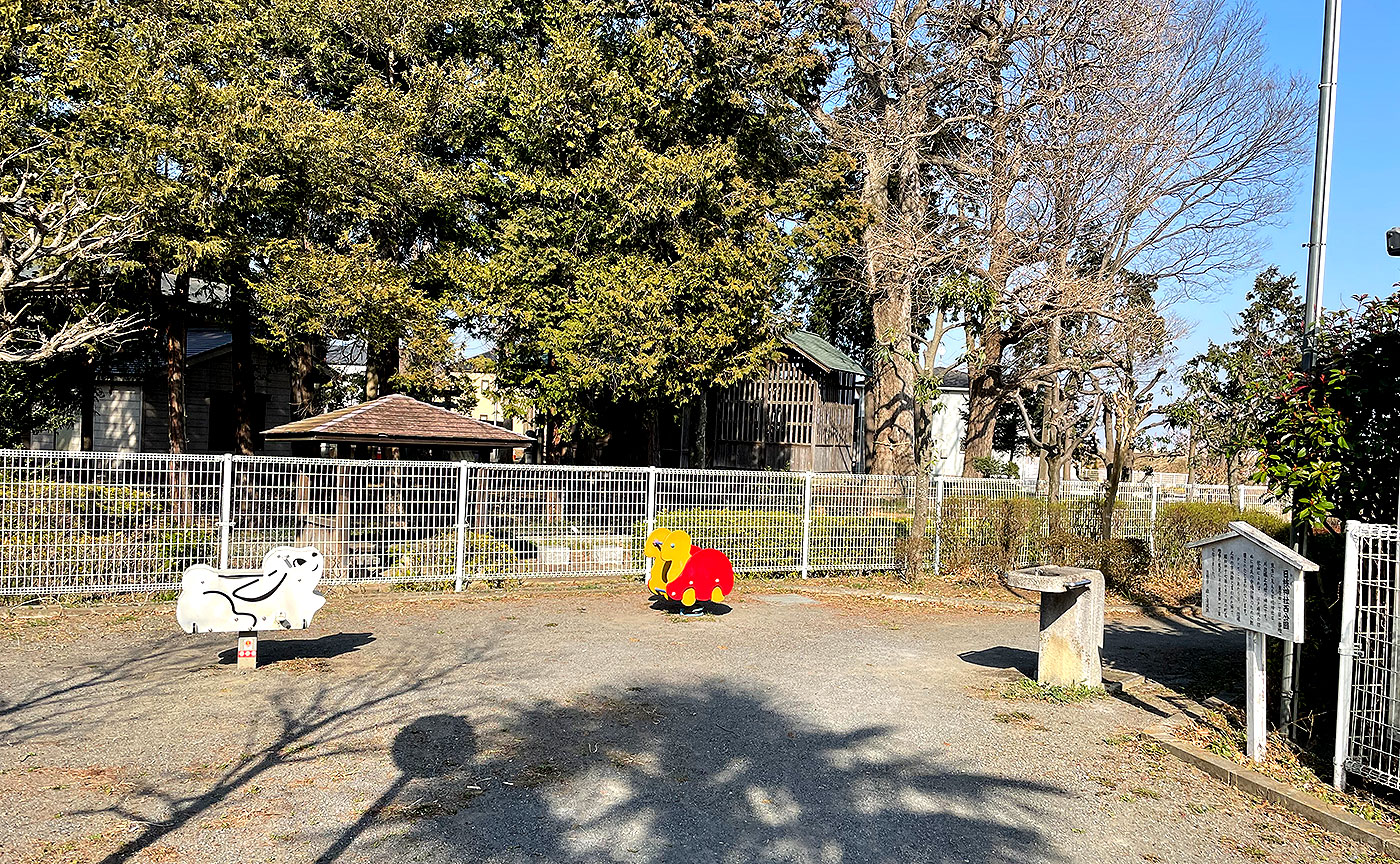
{"type": "Point", "coordinates": [796, 417]}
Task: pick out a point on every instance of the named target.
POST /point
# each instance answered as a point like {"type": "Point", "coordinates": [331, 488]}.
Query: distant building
{"type": "Point", "coordinates": [948, 429]}
{"type": "Point", "coordinates": [398, 426]}
{"type": "Point", "coordinates": [488, 408]}
{"type": "Point", "coordinates": [129, 408]}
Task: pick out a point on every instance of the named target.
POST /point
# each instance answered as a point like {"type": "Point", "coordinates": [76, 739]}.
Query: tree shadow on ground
{"type": "Point", "coordinates": [275, 650]}
{"type": "Point", "coordinates": [1192, 656]}
{"type": "Point", "coordinates": [46, 708]}
{"type": "Point", "coordinates": [303, 723]}
{"type": "Point", "coordinates": [704, 774]}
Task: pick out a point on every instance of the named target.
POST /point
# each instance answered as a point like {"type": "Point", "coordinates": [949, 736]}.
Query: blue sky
{"type": "Point", "coordinates": [1366, 161]}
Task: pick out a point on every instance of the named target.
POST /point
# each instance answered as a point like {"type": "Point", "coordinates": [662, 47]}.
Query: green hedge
{"type": "Point", "coordinates": [772, 539]}
{"type": "Point", "coordinates": [483, 557]}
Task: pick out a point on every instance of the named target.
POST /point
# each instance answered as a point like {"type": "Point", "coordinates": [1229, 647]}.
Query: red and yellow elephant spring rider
{"type": "Point", "coordinates": [686, 573]}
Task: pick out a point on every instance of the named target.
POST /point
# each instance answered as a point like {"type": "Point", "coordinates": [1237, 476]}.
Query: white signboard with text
{"type": "Point", "coordinates": [1252, 581]}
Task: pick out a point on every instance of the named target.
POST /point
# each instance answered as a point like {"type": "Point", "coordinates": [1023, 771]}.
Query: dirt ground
{"type": "Point", "coordinates": [584, 726]}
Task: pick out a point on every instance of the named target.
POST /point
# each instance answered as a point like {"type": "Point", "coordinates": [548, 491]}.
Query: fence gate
{"type": "Point", "coordinates": [1368, 681]}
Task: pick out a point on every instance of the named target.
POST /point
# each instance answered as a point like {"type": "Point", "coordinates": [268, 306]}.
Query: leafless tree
{"type": "Point", "coordinates": [1141, 349]}
{"type": "Point", "coordinates": [51, 226]}
{"type": "Point", "coordinates": [1118, 136]}
{"type": "Point", "coordinates": [1019, 155]}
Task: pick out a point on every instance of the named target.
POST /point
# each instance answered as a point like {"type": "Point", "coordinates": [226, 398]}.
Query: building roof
{"type": "Point", "coordinates": [951, 379]}
{"type": "Point", "coordinates": [1261, 540]}
{"type": "Point", "coordinates": [398, 419]}
{"type": "Point", "coordinates": [823, 353]}
{"type": "Point", "coordinates": [199, 341]}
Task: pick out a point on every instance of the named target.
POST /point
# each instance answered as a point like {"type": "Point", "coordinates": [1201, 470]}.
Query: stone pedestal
{"type": "Point", "coordinates": [1071, 623]}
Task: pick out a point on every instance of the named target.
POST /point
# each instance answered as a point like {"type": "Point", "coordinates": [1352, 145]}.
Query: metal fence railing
{"type": "Point", "coordinates": [1368, 685]}
{"type": "Point", "coordinates": [109, 522]}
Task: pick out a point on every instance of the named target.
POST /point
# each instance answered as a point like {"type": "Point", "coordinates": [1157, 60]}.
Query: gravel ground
{"type": "Point", "coordinates": [584, 726]}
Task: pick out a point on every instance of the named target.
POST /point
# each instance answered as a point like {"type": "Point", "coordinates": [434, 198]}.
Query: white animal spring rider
{"type": "Point", "coordinates": [280, 596]}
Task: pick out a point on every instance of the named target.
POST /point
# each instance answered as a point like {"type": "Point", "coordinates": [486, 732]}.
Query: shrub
{"type": "Point", "coordinates": [1186, 522]}
{"type": "Point", "coordinates": [434, 559]}
{"type": "Point", "coordinates": [772, 539]}
{"type": "Point", "coordinates": [985, 536]}
{"type": "Point", "coordinates": [989, 466]}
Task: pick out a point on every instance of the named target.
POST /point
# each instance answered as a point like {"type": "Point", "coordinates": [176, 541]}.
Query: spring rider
{"type": "Point", "coordinates": [686, 573]}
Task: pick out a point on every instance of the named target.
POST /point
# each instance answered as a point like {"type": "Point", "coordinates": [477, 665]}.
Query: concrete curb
{"type": "Point", "coordinates": [1325, 815]}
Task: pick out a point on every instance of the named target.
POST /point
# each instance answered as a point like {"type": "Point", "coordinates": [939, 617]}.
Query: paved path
{"type": "Point", "coordinates": [587, 727]}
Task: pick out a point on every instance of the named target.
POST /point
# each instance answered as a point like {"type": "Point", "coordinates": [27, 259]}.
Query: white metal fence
{"type": "Point", "coordinates": [1368, 681]}
{"type": "Point", "coordinates": [108, 522]}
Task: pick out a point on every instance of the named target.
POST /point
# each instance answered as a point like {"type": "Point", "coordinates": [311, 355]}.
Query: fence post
{"type": "Point", "coordinates": [1240, 491]}
{"type": "Point", "coordinates": [1346, 648]}
{"type": "Point", "coordinates": [651, 503]}
{"type": "Point", "coordinates": [806, 524]}
{"type": "Point", "coordinates": [938, 526]}
{"type": "Point", "coordinates": [225, 510]}
{"type": "Point", "coordinates": [461, 523]}
{"type": "Point", "coordinates": [1152, 522]}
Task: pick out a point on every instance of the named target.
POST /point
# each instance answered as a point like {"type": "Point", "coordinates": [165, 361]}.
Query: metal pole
{"type": "Point", "coordinates": [1346, 649]}
{"type": "Point", "coordinates": [938, 528]}
{"type": "Point", "coordinates": [461, 522]}
{"type": "Point", "coordinates": [1152, 523]}
{"type": "Point", "coordinates": [806, 524]}
{"type": "Point", "coordinates": [1322, 176]}
{"type": "Point", "coordinates": [1312, 301]}
{"type": "Point", "coordinates": [225, 510]}
{"type": "Point", "coordinates": [651, 500]}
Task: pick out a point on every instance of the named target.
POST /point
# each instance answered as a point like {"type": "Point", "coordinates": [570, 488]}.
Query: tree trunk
{"type": "Point", "coordinates": [1115, 476]}
{"type": "Point", "coordinates": [242, 356]}
{"type": "Point", "coordinates": [889, 400]}
{"type": "Point", "coordinates": [305, 356]}
{"type": "Point", "coordinates": [86, 420]}
{"type": "Point", "coordinates": [1190, 456]}
{"type": "Point", "coordinates": [173, 325]}
{"type": "Point", "coordinates": [653, 435]}
{"type": "Point", "coordinates": [702, 431]}
{"type": "Point", "coordinates": [985, 392]}
{"type": "Point", "coordinates": [381, 363]}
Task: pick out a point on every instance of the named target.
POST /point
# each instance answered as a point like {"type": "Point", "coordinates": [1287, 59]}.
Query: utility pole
{"type": "Point", "coordinates": [1312, 302]}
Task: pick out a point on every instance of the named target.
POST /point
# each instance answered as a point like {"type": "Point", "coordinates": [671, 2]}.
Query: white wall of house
{"type": "Point", "coordinates": [946, 432]}
{"type": "Point", "coordinates": [947, 427]}
{"type": "Point", "coordinates": [116, 423]}
{"type": "Point", "coordinates": [116, 418]}
{"type": "Point", "coordinates": [69, 437]}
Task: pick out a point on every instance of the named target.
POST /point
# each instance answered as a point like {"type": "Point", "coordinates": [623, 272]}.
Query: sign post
{"type": "Point", "coordinates": [1254, 582]}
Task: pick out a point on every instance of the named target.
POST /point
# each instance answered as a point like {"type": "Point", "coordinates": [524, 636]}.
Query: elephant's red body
{"type": "Point", "coordinates": [706, 570]}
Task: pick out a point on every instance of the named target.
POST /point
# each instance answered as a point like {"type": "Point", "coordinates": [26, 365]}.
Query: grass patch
{"type": "Point", "coordinates": [1018, 718]}
{"type": "Point", "coordinates": [1026, 689]}
{"type": "Point", "coordinates": [1222, 733]}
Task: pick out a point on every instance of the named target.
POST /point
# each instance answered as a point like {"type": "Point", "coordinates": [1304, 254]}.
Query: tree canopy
{"type": "Point", "coordinates": [645, 191]}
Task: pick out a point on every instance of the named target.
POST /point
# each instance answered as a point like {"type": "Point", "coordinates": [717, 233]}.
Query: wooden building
{"type": "Point", "coordinates": [127, 407]}
{"type": "Point", "coordinates": [804, 413]}
{"type": "Point", "coordinates": [398, 426]}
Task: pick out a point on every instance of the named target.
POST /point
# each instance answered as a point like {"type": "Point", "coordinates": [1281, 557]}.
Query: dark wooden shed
{"type": "Point", "coordinates": [803, 413]}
